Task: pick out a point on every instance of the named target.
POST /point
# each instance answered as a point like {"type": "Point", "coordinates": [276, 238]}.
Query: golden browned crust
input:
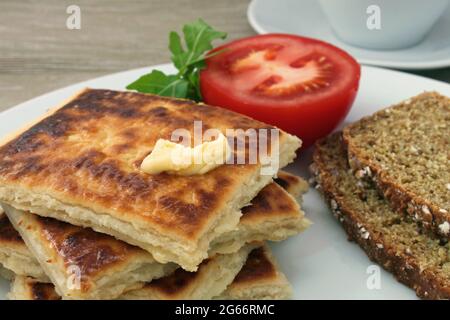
{"type": "Point", "coordinates": [257, 266]}
{"type": "Point", "coordinates": [211, 278]}
{"type": "Point", "coordinates": [27, 288]}
{"type": "Point", "coordinates": [80, 164]}
{"type": "Point", "coordinates": [8, 235]}
{"type": "Point", "coordinates": [90, 251]}
{"type": "Point", "coordinates": [258, 279]}
{"type": "Point", "coordinates": [296, 186]}
{"type": "Point", "coordinates": [174, 285]}
{"type": "Point", "coordinates": [272, 200]}
{"type": "Point", "coordinates": [94, 254]}
{"type": "Point", "coordinates": [14, 254]}
{"type": "Point", "coordinates": [274, 214]}
{"type": "Point", "coordinates": [82, 263]}
{"type": "Point", "coordinates": [43, 291]}
{"type": "Point", "coordinates": [88, 153]}
{"type": "Point", "coordinates": [176, 282]}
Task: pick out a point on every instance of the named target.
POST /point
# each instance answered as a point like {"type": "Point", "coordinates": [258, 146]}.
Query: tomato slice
{"type": "Point", "coordinates": [304, 86]}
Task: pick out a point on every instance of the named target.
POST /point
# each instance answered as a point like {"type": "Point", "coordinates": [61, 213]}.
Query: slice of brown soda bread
{"type": "Point", "coordinates": [394, 241]}
{"type": "Point", "coordinates": [404, 151]}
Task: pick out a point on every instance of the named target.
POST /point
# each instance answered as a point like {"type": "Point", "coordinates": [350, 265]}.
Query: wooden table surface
{"type": "Point", "coordinates": [39, 54]}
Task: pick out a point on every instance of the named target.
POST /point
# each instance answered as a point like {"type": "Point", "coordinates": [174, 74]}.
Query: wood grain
{"type": "Point", "coordinates": [38, 53]}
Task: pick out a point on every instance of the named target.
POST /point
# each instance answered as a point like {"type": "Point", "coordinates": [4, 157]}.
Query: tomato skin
{"type": "Point", "coordinates": [310, 117]}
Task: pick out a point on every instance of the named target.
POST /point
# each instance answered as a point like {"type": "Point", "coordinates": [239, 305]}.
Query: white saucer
{"type": "Point", "coordinates": [305, 17]}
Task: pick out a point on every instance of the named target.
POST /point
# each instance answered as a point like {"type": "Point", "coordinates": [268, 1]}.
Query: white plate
{"type": "Point", "coordinates": [305, 17]}
{"type": "Point", "coordinates": [320, 263]}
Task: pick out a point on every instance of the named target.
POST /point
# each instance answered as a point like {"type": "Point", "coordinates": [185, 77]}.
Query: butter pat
{"type": "Point", "coordinates": [175, 158]}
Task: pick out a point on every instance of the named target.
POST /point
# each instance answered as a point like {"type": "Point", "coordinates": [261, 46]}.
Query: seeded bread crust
{"type": "Point", "coordinates": [426, 213]}
{"type": "Point", "coordinates": [403, 266]}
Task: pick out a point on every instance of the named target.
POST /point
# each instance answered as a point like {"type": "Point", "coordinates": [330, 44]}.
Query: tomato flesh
{"type": "Point", "coordinates": [304, 86]}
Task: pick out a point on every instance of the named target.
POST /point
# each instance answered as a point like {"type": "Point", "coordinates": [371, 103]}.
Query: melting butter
{"type": "Point", "coordinates": [176, 158]}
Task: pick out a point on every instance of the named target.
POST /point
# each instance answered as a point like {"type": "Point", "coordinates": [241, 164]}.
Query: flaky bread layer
{"type": "Point", "coordinates": [47, 207]}
{"type": "Point", "coordinates": [294, 185]}
{"type": "Point", "coordinates": [212, 279]}
{"type": "Point", "coordinates": [258, 228]}
{"type": "Point", "coordinates": [19, 289]}
{"type": "Point", "coordinates": [27, 288]}
{"type": "Point", "coordinates": [272, 230]}
{"type": "Point", "coordinates": [166, 251]}
{"type": "Point", "coordinates": [25, 265]}
{"type": "Point", "coordinates": [163, 248]}
{"type": "Point", "coordinates": [276, 230]}
{"type": "Point", "coordinates": [6, 273]}
{"type": "Point", "coordinates": [274, 227]}
{"type": "Point", "coordinates": [263, 280]}
{"type": "Point", "coordinates": [258, 292]}
{"type": "Point", "coordinates": [109, 285]}
{"type": "Point", "coordinates": [134, 277]}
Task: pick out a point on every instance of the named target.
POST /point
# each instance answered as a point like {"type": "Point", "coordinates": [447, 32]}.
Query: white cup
{"type": "Point", "coordinates": [383, 24]}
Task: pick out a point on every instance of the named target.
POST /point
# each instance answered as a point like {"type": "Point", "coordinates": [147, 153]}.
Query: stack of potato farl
{"type": "Point", "coordinates": [387, 180]}
{"type": "Point", "coordinates": [83, 221]}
